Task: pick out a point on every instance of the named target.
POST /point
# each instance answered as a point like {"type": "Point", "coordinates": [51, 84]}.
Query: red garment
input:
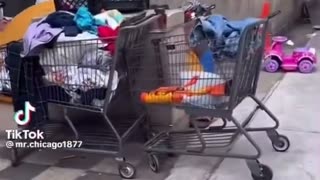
{"type": "Point", "coordinates": [109, 36]}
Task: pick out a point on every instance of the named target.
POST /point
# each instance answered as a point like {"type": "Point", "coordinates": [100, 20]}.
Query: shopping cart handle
{"type": "Point", "coordinates": [272, 15]}
{"type": "Point", "coordinates": [2, 4]}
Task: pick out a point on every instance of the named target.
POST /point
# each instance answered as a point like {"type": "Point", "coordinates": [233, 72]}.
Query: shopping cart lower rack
{"type": "Point", "coordinates": [81, 75]}
{"type": "Point", "coordinates": [216, 91]}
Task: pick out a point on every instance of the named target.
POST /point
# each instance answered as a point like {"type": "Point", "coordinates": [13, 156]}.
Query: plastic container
{"type": "Point", "coordinates": [95, 6]}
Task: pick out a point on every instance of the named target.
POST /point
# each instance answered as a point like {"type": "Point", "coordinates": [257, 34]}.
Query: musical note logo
{"type": "Point", "coordinates": [23, 117]}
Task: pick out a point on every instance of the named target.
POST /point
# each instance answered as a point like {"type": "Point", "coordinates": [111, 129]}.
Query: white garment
{"type": "Point", "coordinates": [84, 36]}
{"type": "Point", "coordinates": [73, 78]}
{"type": "Point", "coordinates": [70, 50]}
{"type": "Point", "coordinates": [111, 22]}
{"type": "Point", "coordinates": [205, 79]}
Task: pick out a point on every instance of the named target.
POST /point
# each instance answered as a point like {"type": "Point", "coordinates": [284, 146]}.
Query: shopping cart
{"type": "Point", "coordinates": [181, 84]}
{"type": "Point", "coordinates": [81, 75]}
{"type": "Point", "coordinates": [5, 87]}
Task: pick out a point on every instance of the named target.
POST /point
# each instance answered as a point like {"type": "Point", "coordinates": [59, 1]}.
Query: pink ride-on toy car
{"type": "Point", "coordinates": [302, 59]}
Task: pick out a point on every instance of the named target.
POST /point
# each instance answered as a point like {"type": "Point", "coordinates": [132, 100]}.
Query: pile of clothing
{"type": "Point", "coordinates": [64, 26]}
{"type": "Point", "coordinates": [75, 50]}
{"type": "Point", "coordinates": [222, 35]}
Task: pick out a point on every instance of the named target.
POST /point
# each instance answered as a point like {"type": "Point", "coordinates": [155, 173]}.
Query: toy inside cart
{"type": "Point", "coordinates": [198, 92]}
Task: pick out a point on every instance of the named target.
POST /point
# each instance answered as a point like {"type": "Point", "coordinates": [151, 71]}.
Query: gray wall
{"type": "Point", "coordinates": [230, 8]}
{"type": "Point", "coordinates": [13, 7]}
{"type": "Point", "coordinates": [243, 8]}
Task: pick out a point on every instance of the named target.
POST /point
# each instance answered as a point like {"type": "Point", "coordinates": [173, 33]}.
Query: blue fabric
{"type": "Point", "coordinates": [223, 35]}
{"type": "Point", "coordinates": [86, 22]}
{"type": "Point", "coordinates": [207, 61]}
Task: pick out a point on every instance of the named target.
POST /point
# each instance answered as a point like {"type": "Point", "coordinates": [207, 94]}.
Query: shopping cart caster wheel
{"type": "Point", "coordinates": [14, 158]}
{"type": "Point", "coordinates": [282, 144]}
{"type": "Point", "coordinates": [220, 127]}
{"type": "Point", "coordinates": [265, 173]}
{"type": "Point", "coordinates": [202, 122]}
{"type": "Point", "coordinates": [127, 170]}
{"type": "Point", "coordinates": [154, 164]}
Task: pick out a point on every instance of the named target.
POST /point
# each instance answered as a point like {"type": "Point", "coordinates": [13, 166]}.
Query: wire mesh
{"type": "Point", "coordinates": [74, 73]}
{"type": "Point", "coordinates": [5, 85]}
{"type": "Point", "coordinates": [203, 75]}
{"type": "Point", "coordinates": [69, 5]}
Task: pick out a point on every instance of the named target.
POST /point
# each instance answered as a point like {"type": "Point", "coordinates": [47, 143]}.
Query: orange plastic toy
{"type": "Point", "coordinates": [265, 13]}
{"type": "Point", "coordinates": [175, 95]}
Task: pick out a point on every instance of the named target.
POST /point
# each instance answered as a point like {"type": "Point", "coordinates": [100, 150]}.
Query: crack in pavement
{"type": "Point", "coordinates": [300, 131]}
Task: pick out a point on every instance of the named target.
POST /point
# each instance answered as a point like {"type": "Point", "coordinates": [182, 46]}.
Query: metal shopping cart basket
{"type": "Point", "coordinates": [183, 84]}
{"type": "Point", "coordinates": [81, 75]}
{"type": "Point", "coordinates": [5, 87]}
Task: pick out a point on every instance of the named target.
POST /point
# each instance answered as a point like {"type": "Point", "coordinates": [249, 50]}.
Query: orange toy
{"type": "Point", "coordinates": [168, 95]}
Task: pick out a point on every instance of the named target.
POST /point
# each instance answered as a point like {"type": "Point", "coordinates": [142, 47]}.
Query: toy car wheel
{"type": "Point", "coordinates": [271, 65]}
{"type": "Point", "coordinates": [305, 66]}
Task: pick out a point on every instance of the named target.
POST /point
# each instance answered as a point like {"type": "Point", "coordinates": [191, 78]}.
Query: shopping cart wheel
{"type": "Point", "coordinates": [14, 157]}
{"type": "Point", "coordinates": [265, 173]}
{"type": "Point", "coordinates": [127, 170]}
{"type": "Point", "coordinates": [220, 127]}
{"type": "Point", "coordinates": [153, 162]}
{"type": "Point", "coordinates": [202, 122]}
{"type": "Point", "coordinates": [282, 144]}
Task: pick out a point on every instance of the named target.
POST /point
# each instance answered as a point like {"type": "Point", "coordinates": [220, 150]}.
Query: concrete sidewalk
{"type": "Point", "coordinates": [296, 103]}
{"type": "Point", "coordinates": [202, 168]}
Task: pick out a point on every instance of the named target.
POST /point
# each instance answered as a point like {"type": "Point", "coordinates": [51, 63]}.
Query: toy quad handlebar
{"type": "Point", "coordinates": [200, 10]}
{"type": "Point", "coordinates": [274, 14]}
